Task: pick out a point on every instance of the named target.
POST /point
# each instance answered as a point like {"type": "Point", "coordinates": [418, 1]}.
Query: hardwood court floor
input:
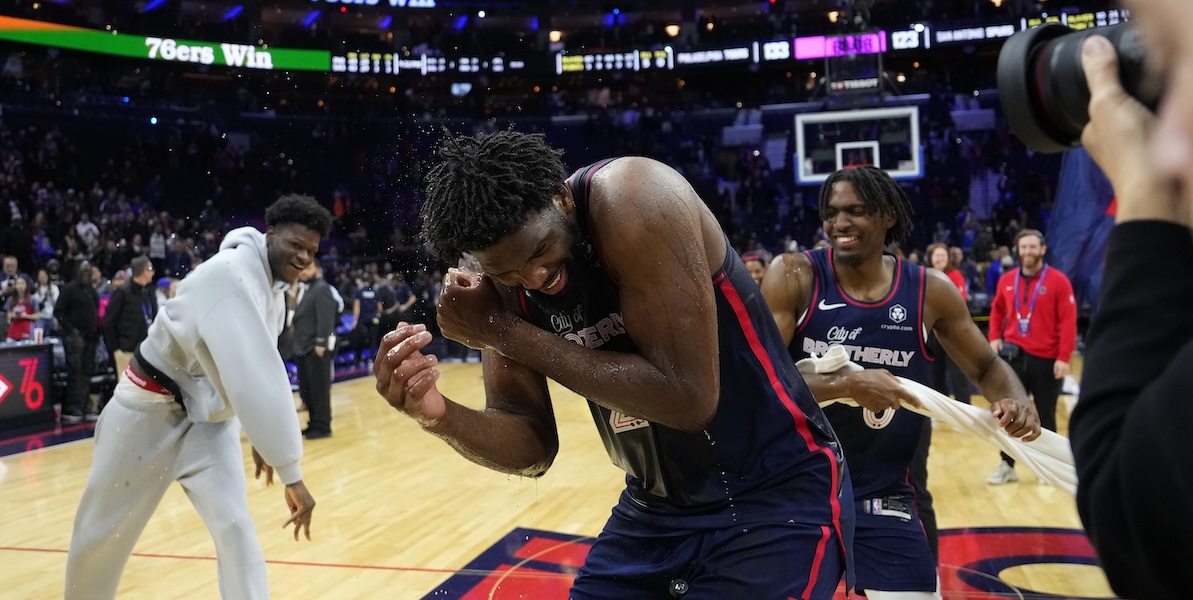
{"type": "Point", "coordinates": [399, 514]}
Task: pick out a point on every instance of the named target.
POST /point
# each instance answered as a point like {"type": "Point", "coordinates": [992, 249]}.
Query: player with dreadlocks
{"type": "Point", "coordinates": [881, 309]}
{"type": "Point", "coordinates": [619, 284]}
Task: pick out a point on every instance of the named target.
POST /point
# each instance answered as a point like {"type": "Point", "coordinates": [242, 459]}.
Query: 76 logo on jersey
{"type": "Point", "coordinates": [877, 420]}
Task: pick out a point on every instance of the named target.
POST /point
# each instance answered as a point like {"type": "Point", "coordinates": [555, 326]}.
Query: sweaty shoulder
{"type": "Point", "coordinates": [639, 207]}
{"type": "Point", "coordinates": [788, 282]}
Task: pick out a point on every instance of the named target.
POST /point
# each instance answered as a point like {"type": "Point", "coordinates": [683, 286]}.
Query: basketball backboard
{"type": "Point", "coordinates": [888, 138]}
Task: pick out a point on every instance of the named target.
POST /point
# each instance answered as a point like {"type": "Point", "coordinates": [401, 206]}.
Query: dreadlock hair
{"type": "Point", "coordinates": [880, 194]}
{"type": "Point", "coordinates": [302, 210]}
{"type": "Point", "coordinates": [486, 187]}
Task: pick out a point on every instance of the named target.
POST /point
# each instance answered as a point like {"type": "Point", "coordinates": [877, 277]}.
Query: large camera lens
{"type": "Point", "coordinates": [1042, 85]}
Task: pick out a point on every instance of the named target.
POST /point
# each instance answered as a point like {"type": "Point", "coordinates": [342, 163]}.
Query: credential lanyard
{"type": "Point", "coordinates": [1025, 322]}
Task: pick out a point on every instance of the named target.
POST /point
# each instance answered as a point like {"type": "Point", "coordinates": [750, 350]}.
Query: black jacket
{"type": "Point", "coordinates": [126, 321]}
{"type": "Point", "coordinates": [314, 318]}
{"type": "Point", "coordinates": [77, 310]}
{"type": "Point", "coordinates": [1130, 429]}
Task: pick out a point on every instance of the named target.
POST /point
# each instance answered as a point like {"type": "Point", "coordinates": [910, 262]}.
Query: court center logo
{"type": "Point", "coordinates": [532, 563]}
{"type": "Point", "coordinates": [897, 313]}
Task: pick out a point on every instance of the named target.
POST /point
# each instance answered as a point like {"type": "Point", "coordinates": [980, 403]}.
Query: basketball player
{"type": "Point", "coordinates": [882, 309]}
{"type": "Point", "coordinates": [1130, 429]}
{"type": "Point", "coordinates": [210, 355]}
{"type": "Point", "coordinates": [619, 284]}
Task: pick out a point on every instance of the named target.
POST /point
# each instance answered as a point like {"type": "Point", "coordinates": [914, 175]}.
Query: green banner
{"type": "Point", "coordinates": [164, 49]}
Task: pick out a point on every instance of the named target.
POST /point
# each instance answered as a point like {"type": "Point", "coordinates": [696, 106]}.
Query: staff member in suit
{"type": "Point", "coordinates": [314, 348]}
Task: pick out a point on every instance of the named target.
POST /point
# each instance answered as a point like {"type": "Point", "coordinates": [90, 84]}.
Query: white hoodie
{"type": "Point", "coordinates": [217, 339]}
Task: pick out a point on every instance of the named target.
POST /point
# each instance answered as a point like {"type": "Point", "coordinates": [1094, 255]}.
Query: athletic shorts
{"type": "Point", "coordinates": [775, 560]}
{"type": "Point", "coordinates": [890, 553]}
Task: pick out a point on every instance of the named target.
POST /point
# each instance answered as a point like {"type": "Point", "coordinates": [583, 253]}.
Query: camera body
{"type": "Point", "coordinates": [1042, 85]}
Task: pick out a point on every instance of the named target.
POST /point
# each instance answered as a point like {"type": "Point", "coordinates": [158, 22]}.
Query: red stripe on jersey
{"type": "Point", "coordinates": [801, 420]}
{"type": "Point", "coordinates": [814, 574]}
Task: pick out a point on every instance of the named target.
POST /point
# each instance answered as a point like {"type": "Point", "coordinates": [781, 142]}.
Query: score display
{"type": "Point", "coordinates": [822, 46]}
{"type": "Point", "coordinates": [662, 59]}
{"type": "Point", "coordinates": [393, 63]}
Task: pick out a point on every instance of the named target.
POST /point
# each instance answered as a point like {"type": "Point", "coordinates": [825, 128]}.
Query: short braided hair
{"type": "Point", "coordinates": [485, 187]}
{"type": "Point", "coordinates": [879, 192]}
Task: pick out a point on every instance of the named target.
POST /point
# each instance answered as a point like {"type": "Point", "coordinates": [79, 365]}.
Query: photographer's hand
{"type": "Point", "coordinates": [1117, 139]}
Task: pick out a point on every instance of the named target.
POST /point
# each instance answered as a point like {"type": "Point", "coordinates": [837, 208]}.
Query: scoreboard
{"type": "Point", "coordinates": [662, 59]}
{"type": "Point", "coordinates": [395, 63]}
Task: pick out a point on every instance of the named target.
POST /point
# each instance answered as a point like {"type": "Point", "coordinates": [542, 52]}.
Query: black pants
{"type": "Point", "coordinates": [314, 387]}
{"type": "Point", "coordinates": [1037, 376]}
{"type": "Point", "coordinates": [917, 476]}
{"type": "Point", "coordinates": [365, 340]}
{"type": "Point", "coordinates": [80, 366]}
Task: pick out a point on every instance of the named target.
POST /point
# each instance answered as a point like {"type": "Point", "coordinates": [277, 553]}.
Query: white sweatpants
{"type": "Point", "coordinates": [143, 443]}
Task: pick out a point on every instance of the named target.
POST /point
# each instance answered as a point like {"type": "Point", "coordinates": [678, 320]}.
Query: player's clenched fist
{"type": "Point", "coordinates": [406, 377]}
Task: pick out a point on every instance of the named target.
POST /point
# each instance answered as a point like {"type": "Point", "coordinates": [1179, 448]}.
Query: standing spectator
{"type": "Point", "coordinates": [314, 347]}
{"type": "Point", "coordinates": [366, 308]}
{"type": "Point", "coordinates": [961, 261]}
{"type": "Point", "coordinates": [9, 275]}
{"type": "Point", "coordinates": [946, 375]}
{"type": "Point", "coordinates": [1001, 261]}
{"type": "Point", "coordinates": [397, 301]}
{"type": "Point", "coordinates": [77, 312]}
{"type": "Point", "coordinates": [87, 231]}
{"type": "Point", "coordinates": [757, 262]}
{"type": "Point", "coordinates": [22, 309]}
{"type": "Point", "coordinates": [46, 292]}
{"type": "Point", "coordinates": [8, 278]}
{"type": "Point", "coordinates": [17, 241]}
{"type": "Point", "coordinates": [179, 259]}
{"type": "Point", "coordinates": [166, 288]}
{"type": "Point", "coordinates": [157, 248]}
{"type": "Point", "coordinates": [1033, 326]}
{"type": "Point", "coordinates": [131, 310]}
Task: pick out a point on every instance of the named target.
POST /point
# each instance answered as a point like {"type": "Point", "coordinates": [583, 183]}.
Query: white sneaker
{"type": "Point", "coordinates": [1004, 474]}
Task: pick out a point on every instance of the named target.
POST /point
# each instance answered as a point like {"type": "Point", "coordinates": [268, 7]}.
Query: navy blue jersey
{"type": "Point", "coordinates": [769, 452]}
{"type": "Point", "coordinates": [887, 334]}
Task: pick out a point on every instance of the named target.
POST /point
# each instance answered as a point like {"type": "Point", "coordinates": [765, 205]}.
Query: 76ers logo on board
{"type": "Point", "coordinates": [898, 314]}
{"type": "Point", "coordinates": [622, 422]}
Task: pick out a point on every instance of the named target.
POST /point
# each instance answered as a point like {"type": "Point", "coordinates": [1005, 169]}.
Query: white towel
{"type": "Point", "coordinates": [1050, 456]}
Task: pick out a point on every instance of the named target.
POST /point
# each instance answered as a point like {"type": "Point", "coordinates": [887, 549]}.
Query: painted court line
{"type": "Point", "coordinates": [294, 563]}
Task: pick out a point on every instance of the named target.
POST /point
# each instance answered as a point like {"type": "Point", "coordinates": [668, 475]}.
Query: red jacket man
{"type": "Point", "coordinates": [1033, 326]}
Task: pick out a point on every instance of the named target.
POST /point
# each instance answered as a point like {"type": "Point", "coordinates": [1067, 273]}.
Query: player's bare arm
{"type": "Point", "coordinates": [658, 240]}
{"type": "Point", "coordinates": [514, 434]}
{"type": "Point", "coordinates": [787, 288]}
{"type": "Point", "coordinates": [946, 314]}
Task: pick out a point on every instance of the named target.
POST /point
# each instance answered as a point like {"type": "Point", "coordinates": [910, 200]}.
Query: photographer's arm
{"type": "Point", "coordinates": [1130, 432]}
